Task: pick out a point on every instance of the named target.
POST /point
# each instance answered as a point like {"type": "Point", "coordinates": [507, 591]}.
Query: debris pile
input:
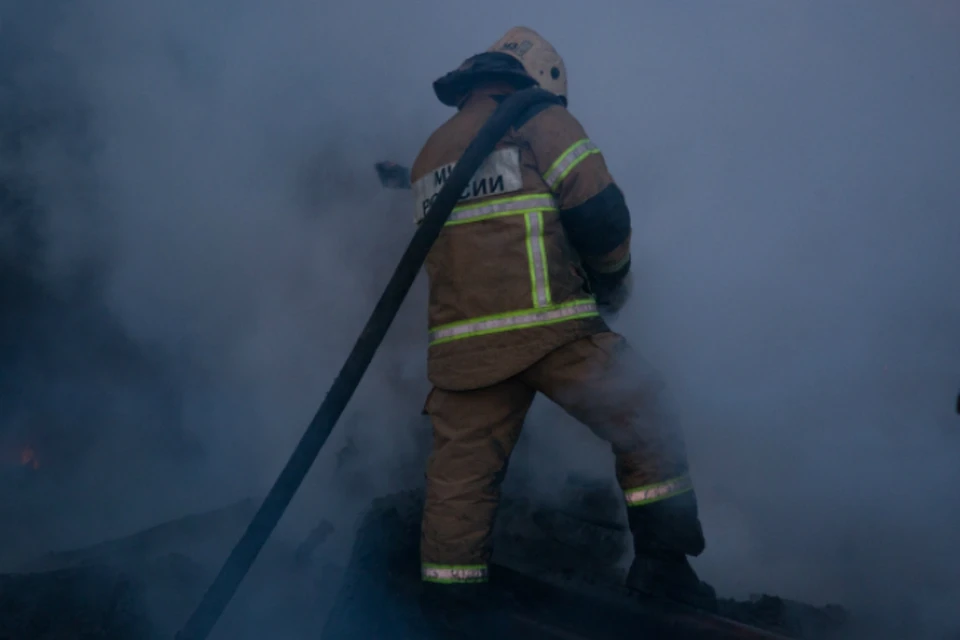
{"type": "Point", "coordinates": [144, 586]}
{"type": "Point", "coordinates": [89, 603]}
{"type": "Point", "coordinates": [558, 568]}
{"type": "Point", "coordinates": [557, 573]}
{"type": "Point", "coordinates": [789, 617]}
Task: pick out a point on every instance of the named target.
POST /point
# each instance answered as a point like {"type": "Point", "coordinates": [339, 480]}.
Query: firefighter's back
{"type": "Point", "coordinates": [506, 287]}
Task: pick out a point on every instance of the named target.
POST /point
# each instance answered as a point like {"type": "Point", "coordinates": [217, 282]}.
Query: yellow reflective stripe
{"type": "Point", "coordinates": [568, 160]}
{"type": "Point", "coordinates": [537, 260]}
{"type": "Point", "coordinates": [659, 491]}
{"type": "Point", "coordinates": [528, 223]}
{"type": "Point", "coordinates": [502, 207]}
{"type": "Point", "coordinates": [613, 268]}
{"type": "Point", "coordinates": [544, 264]}
{"type": "Point", "coordinates": [514, 320]}
{"type": "Point", "coordinates": [454, 573]}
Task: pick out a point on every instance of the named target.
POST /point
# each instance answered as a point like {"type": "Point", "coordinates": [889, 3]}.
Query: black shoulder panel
{"type": "Point", "coordinates": [600, 224]}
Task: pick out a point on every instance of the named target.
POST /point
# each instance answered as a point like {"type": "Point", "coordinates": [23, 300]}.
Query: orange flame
{"type": "Point", "coordinates": [28, 458]}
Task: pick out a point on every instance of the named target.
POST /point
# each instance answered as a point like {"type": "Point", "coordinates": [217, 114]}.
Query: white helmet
{"type": "Point", "coordinates": [538, 57]}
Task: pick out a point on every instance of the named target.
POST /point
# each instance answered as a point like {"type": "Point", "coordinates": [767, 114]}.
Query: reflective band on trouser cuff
{"type": "Point", "coordinates": [574, 155]}
{"type": "Point", "coordinates": [659, 491]}
{"type": "Point", "coordinates": [502, 207]}
{"type": "Point", "coordinates": [454, 573]}
{"type": "Point", "coordinates": [514, 320]}
{"type": "Point", "coordinates": [537, 257]}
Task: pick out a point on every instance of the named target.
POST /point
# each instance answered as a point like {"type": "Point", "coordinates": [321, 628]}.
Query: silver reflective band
{"type": "Point", "coordinates": [454, 573]}
{"type": "Point", "coordinates": [567, 161]}
{"type": "Point", "coordinates": [499, 174]}
{"type": "Point", "coordinates": [498, 208]}
{"type": "Point", "coordinates": [660, 491]}
{"type": "Point", "coordinates": [515, 320]}
{"type": "Point", "coordinates": [536, 251]}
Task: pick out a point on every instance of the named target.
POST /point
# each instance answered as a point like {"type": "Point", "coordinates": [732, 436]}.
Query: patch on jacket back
{"type": "Point", "coordinates": [499, 173]}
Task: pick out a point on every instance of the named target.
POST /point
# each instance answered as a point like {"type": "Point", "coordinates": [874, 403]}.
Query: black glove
{"type": "Point", "coordinates": [611, 291]}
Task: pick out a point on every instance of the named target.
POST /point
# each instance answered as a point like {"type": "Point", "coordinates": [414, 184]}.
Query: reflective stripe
{"type": "Point", "coordinates": [537, 257]}
{"type": "Point", "coordinates": [574, 155]}
{"type": "Point", "coordinates": [454, 573]}
{"type": "Point", "coordinates": [621, 263]}
{"type": "Point", "coordinates": [499, 174]}
{"type": "Point", "coordinates": [659, 491]}
{"type": "Point", "coordinates": [544, 312]}
{"type": "Point", "coordinates": [514, 320]}
{"type": "Point", "coordinates": [613, 268]}
{"type": "Point", "coordinates": [502, 207]}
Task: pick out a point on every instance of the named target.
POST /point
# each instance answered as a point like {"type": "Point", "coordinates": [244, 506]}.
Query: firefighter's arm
{"type": "Point", "coordinates": [593, 210]}
{"type": "Point", "coordinates": [599, 230]}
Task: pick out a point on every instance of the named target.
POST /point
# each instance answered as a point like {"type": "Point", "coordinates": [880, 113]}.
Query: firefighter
{"type": "Point", "coordinates": [537, 247]}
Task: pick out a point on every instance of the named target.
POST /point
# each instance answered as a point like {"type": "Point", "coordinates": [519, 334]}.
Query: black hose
{"type": "Point", "coordinates": [243, 555]}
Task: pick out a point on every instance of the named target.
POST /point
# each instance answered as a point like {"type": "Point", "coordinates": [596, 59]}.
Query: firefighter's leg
{"type": "Point", "coordinates": [603, 383]}
{"type": "Point", "coordinates": [474, 434]}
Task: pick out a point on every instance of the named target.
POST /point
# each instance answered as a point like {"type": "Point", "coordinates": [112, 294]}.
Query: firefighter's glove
{"type": "Point", "coordinates": [393, 175]}
{"type": "Point", "coordinates": [611, 294]}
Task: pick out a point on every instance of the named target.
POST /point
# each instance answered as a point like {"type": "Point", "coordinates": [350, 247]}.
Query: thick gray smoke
{"type": "Point", "coordinates": [792, 168]}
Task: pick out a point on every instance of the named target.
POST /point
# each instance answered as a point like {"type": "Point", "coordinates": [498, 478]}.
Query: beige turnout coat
{"type": "Point", "coordinates": [506, 285]}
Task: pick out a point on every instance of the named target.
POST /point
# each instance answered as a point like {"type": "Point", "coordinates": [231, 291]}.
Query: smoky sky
{"type": "Point", "coordinates": [792, 171]}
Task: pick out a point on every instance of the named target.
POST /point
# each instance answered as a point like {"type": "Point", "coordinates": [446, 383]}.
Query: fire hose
{"type": "Point", "coordinates": [243, 555]}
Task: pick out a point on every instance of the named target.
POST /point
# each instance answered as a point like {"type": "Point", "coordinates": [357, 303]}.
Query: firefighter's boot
{"type": "Point", "coordinates": [450, 606]}
{"type": "Point", "coordinates": [664, 534]}
{"type": "Point", "coordinates": [449, 609]}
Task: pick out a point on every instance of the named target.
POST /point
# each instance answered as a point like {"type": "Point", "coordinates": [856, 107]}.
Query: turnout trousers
{"type": "Point", "coordinates": [600, 381]}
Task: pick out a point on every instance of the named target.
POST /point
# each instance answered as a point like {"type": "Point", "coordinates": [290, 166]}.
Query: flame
{"type": "Point", "coordinates": [28, 458]}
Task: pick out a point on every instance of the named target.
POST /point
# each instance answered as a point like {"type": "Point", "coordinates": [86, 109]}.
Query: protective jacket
{"type": "Point", "coordinates": [513, 274]}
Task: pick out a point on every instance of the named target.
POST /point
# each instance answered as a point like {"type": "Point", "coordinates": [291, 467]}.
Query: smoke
{"type": "Point", "coordinates": [224, 200]}
{"type": "Point", "coordinates": [205, 176]}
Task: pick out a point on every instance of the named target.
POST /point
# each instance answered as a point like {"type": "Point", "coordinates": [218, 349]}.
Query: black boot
{"type": "Point", "coordinates": [449, 609]}
{"type": "Point", "coordinates": [664, 534]}
{"type": "Point", "coordinates": [485, 608]}
{"type": "Point", "coordinates": [668, 574]}
{"type": "Point", "coordinates": [452, 605]}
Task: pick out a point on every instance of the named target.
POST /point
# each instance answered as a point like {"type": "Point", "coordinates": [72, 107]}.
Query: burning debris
{"type": "Point", "coordinates": [28, 458]}
{"type": "Point", "coordinates": [16, 456]}
{"type": "Point", "coordinates": [19, 465]}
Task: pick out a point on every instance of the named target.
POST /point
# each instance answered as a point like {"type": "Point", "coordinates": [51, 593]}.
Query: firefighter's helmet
{"type": "Point", "coordinates": [538, 57]}
{"type": "Point", "coordinates": [521, 57]}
